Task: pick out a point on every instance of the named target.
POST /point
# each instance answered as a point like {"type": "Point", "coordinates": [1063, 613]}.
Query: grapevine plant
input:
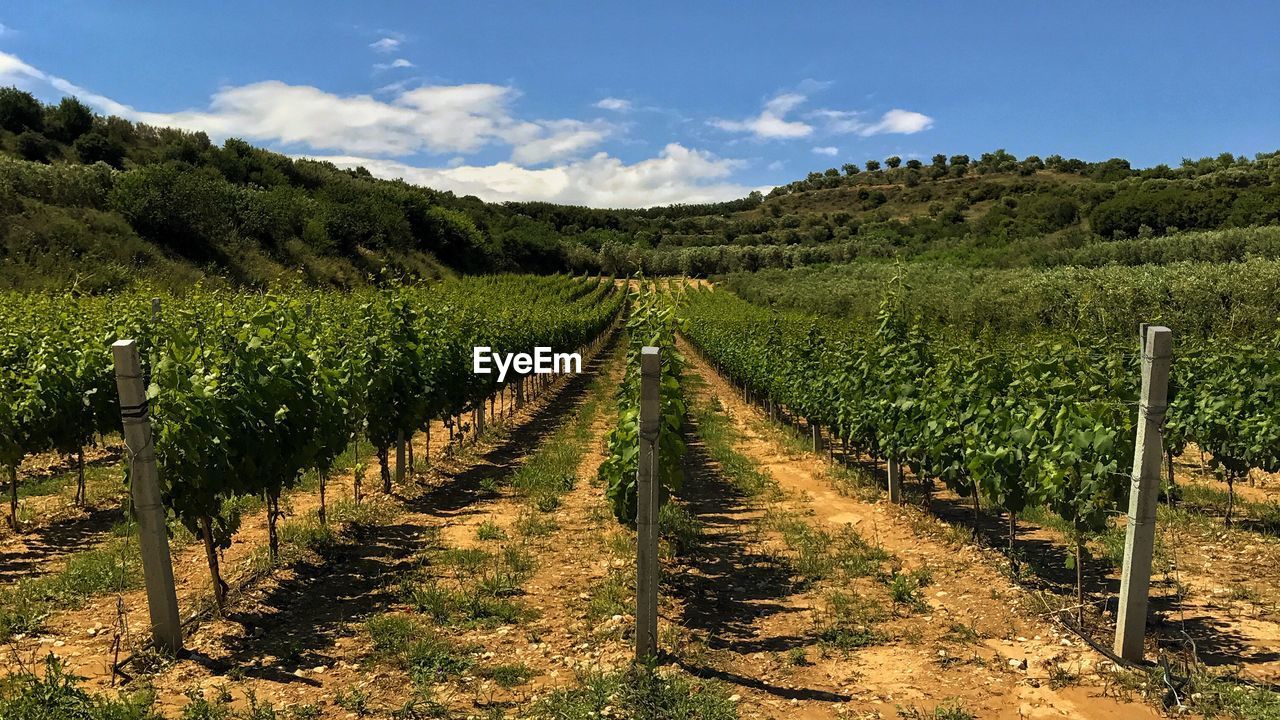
{"type": "Point", "coordinates": [652, 321]}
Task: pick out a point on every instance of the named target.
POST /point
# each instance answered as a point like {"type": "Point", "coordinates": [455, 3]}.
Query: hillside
{"type": "Point", "coordinates": [94, 201]}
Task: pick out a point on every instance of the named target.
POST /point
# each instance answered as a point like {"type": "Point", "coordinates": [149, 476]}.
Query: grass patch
{"type": "Point", "coordinates": [471, 586]}
{"type": "Point", "coordinates": [413, 646]}
{"type": "Point", "coordinates": [678, 527]}
{"type": "Point", "coordinates": [817, 554]}
{"type": "Point", "coordinates": [55, 694]}
{"type": "Point", "coordinates": [24, 606]}
{"type": "Point", "coordinates": [1264, 517]}
{"type": "Point", "coordinates": [638, 694]}
{"type": "Point", "coordinates": [904, 588]}
{"type": "Point", "coordinates": [848, 621]}
{"type": "Point", "coordinates": [489, 530]}
{"type": "Point", "coordinates": [718, 436]}
{"type": "Point", "coordinates": [531, 523]}
{"type": "Point", "coordinates": [614, 595]}
{"type": "Point", "coordinates": [945, 711]}
{"type": "Point", "coordinates": [508, 675]}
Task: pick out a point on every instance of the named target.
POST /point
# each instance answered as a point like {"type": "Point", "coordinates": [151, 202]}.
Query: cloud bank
{"type": "Point", "coordinates": [551, 159]}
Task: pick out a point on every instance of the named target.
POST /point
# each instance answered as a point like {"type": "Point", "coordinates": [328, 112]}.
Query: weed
{"type": "Point", "coordinates": [200, 706]}
{"type": "Point", "coordinates": [961, 633]}
{"type": "Point", "coordinates": [640, 693]}
{"type": "Point", "coordinates": [414, 647]}
{"type": "Point", "coordinates": [532, 524]}
{"type": "Point", "coordinates": [904, 590]}
{"type": "Point", "coordinates": [847, 622]}
{"type": "Point", "coordinates": [489, 530]}
{"type": "Point", "coordinates": [679, 527]}
{"type": "Point", "coordinates": [56, 695]}
{"type": "Point", "coordinates": [508, 675]}
{"type": "Point", "coordinates": [614, 595]}
{"type": "Point", "coordinates": [24, 606]}
{"type": "Point", "coordinates": [353, 700]}
{"type": "Point", "coordinates": [946, 711]}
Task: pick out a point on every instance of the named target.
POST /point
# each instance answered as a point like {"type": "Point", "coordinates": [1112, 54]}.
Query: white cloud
{"type": "Point", "coordinates": [3, 29]}
{"type": "Point", "coordinates": [843, 122]}
{"type": "Point", "coordinates": [771, 123]}
{"type": "Point", "coordinates": [677, 175]}
{"type": "Point", "coordinates": [904, 122]}
{"type": "Point", "coordinates": [615, 104]}
{"type": "Point", "coordinates": [561, 138]}
{"type": "Point", "coordinates": [397, 63]}
{"type": "Point", "coordinates": [434, 119]}
{"type": "Point", "coordinates": [386, 45]}
{"type": "Point", "coordinates": [827, 150]}
{"type": "Point", "coordinates": [452, 120]}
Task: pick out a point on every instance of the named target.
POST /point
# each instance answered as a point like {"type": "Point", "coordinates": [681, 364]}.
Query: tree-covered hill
{"type": "Point", "coordinates": [95, 201]}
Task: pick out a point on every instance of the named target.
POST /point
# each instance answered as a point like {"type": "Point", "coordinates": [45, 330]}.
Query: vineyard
{"type": "Point", "coordinates": [362, 526]}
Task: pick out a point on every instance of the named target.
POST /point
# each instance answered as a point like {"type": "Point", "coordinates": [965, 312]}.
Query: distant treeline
{"type": "Point", "coordinates": [94, 200]}
{"type": "Point", "coordinates": [1196, 299]}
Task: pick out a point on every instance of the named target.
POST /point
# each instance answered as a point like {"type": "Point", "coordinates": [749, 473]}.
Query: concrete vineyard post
{"type": "Point", "coordinates": [1148, 455]}
{"type": "Point", "coordinates": [647, 489]}
{"type": "Point", "coordinates": [144, 488]}
{"type": "Point", "coordinates": [816, 431]}
{"type": "Point", "coordinates": [894, 471]}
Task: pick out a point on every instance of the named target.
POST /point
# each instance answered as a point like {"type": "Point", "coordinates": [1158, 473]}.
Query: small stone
{"type": "Point", "coordinates": [734, 698]}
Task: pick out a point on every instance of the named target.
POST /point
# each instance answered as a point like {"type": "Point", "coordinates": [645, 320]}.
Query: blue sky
{"type": "Point", "coordinates": [650, 103]}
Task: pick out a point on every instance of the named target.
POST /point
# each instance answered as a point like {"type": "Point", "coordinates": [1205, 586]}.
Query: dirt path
{"type": "Point", "coordinates": [755, 619]}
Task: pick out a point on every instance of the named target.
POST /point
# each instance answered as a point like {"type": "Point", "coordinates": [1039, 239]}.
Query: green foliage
{"type": "Point", "coordinates": [67, 121]}
{"type": "Point", "coordinates": [247, 392]}
{"type": "Point", "coordinates": [56, 695]}
{"type": "Point", "coordinates": [652, 322]}
{"type": "Point", "coordinates": [19, 110]}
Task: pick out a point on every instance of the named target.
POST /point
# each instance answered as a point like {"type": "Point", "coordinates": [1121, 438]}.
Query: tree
{"type": "Point", "coordinates": [914, 164]}
{"type": "Point", "coordinates": [893, 161]}
{"type": "Point", "coordinates": [873, 165]}
{"type": "Point", "coordinates": [997, 162]}
{"type": "Point", "coordinates": [1030, 164]}
{"type": "Point", "coordinates": [850, 169]}
{"type": "Point", "coordinates": [68, 120]}
{"type": "Point", "coordinates": [939, 160]}
{"type": "Point", "coordinates": [35, 147]}
{"type": "Point", "coordinates": [95, 147]}
{"type": "Point", "coordinates": [20, 111]}
{"type": "Point", "coordinates": [962, 160]}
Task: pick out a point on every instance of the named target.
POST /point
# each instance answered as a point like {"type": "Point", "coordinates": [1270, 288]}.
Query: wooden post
{"type": "Point", "coordinates": [895, 480]}
{"type": "Point", "coordinates": [1144, 488]}
{"type": "Point", "coordinates": [144, 487]}
{"type": "Point", "coordinates": [647, 489]}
